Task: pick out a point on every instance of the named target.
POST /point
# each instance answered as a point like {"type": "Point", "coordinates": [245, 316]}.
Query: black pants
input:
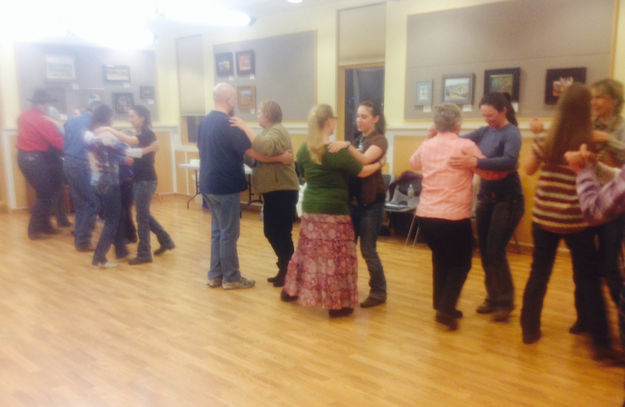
{"type": "Point", "coordinates": [586, 275]}
{"type": "Point", "coordinates": [278, 216]}
{"type": "Point", "coordinates": [610, 236]}
{"type": "Point", "coordinates": [36, 169]}
{"type": "Point", "coordinates": [452, 247]}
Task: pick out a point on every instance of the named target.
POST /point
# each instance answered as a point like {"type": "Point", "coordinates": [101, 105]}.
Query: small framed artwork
{"type": "Point", "coordinates": [246, 97]}
{"type": "Point", "coordinates": [117, 73]}
{"type": "Point", "coordinates": [504, 81]}
{"type": "Point", "coordinates": [60, 68]}
{"type": "Point", "coordinates": [557, 80]}
{"type": "Point", "coordinates": [458, 88]}
{"type": "Point", "coordinates": [146, 92]}
{"type": "Point", "coordinates": [122, 102]}
{"type": "Point", "coordinates": [224, 64]}
{"type": "Point", "coordinates": [423, 95]}
{"type": "Point", "coordinates": [245, 63]}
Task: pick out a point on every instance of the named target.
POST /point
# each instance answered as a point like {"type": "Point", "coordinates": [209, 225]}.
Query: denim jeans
{"type": "Point", "coordinates": [586, 275]}
{"type": "Point", "coordinates": [278, 216]}
{"type": "Point", "coordinates": [36, 169]}
{"type": "Point", "coordinates": [86, 203]}
{"type": "Point", "coordinates": [143, 192]}
{"type": "Point", "coordinates": [126, 232]}
{"type": "Point", "coordinates": [367, 221]}
{"type": "Point", "coordinates": [225, 228]}
{"type": "Point", "coordinates": [451, 243]}
{"type": "Point", "coordinates": [110, 202]}
{"type": "Point", "coordinates": [496, 221]}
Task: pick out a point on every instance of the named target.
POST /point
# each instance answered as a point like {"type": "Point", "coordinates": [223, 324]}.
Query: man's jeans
{"type": "Point", "coordinates": [225, 225]}
{"type": "Point", "coordinates": [143, 192]}
{"type": "Point", "coordinates": [367, 222]}
{"type": "Point", "coordinates": [34, 166]}
{"type": "Point", "coordinates": [85, 200]}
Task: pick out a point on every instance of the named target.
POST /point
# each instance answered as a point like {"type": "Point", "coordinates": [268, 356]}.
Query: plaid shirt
{"type": "Point", "coordinates": [600, 204]}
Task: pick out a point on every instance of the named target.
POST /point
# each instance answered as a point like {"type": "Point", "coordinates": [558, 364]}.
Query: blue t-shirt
{"type": "Point", "coordinates": [74, 142]}
{"type": "Point", "coordinates": [501, 148]}
{"type": "Point", "coordinates": [222, 148]}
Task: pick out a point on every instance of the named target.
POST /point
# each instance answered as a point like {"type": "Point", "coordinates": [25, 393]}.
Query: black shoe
{"type": "Point", "coordinates": [164, 248]}
{"type": "Point", "coordinates": [447, 319]}
{"type": "Point", "coordinates": [457, 314]}
{"type": "Point", "coordinates": [64, 224]}
{"type": "Point", "coordinates": [287, 298]}
{"type": "Point", "coordinates": [609, 356]}
{"type": "Point", "coordinates": [502, 314]}
{"type": "Point", "coordinates": [372, 302]}
{"type": "Point", "coordinates": [272, 279]}
{"type": "Point", "coordinates": [137, 260]}
{"type": "Point", "coordinates": [530, 338]}
{"type": "Point", "coordinates": [278, 281]}
{"type": "Point", "coordinates": [343, 312]}
{"type": "Point", "coordinates": [485, 308]}
{"type": "Point", "coordinates": [51, 231]}
{"type": "Point", "coordinates": [577, 328]}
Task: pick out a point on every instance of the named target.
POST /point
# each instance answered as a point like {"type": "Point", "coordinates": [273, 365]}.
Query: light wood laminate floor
{"type": "Point", "coordinates": [156, 335]}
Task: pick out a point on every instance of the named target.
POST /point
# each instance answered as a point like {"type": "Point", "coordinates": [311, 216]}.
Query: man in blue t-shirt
{"type": "Point", "coordinates": [222, 178]}
{"type": "Point", "coordinates": [78, 175]}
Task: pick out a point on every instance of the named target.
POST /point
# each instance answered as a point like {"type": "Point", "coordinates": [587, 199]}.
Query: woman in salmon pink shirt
{"type": "Point", "coordinates": [444, 211]}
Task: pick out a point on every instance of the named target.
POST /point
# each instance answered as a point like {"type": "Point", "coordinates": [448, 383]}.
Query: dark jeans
{"type": "Point", "coordinates": [278, 216]}
{"type": "Point", "coordinates": [86, 203]}
{"type": "Point", "coordinates": [496, 221]}
{"type": "Point", "coordinates": [610, 237]}
{"type": "Point", "coordinates": [36, 169]}
{"type": "Point", "coordinates": [55, 161]}
{"type": "Point", "coordinates": [585, 274]}
{"type": "Point", "coordinates": [127, 230]}
{"type": "Point", "coordinates": [110, 202]}
{"type": "Point", "coordinates": [451, 243]}
{"type": "Point", "coordinates": [143, 192]}
{"type": "Point", "coordinates": [367, 221]}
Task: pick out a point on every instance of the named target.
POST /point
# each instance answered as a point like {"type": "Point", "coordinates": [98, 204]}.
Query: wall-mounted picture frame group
{"type": "Point", "coordinates": [505, 80]}
{"type": "Point", "coordinates": [557, 80]}
{"type": "Point", "coordinates": [117, 73]}
{"type": "Point", "coordinates": [224, 64]}
{"type": "Point", "coordinates": [60, 68]}
{"type": "Point", "coordinates": [122, 102]}
{"type": "Point", "coordinates": [423, 96]}
{"type": "Point", "coordinates": [246, 97]}
{"type": "Point", "coordinates": [458, 88]}
{"type": "Point", "coordinates": [245, 63]}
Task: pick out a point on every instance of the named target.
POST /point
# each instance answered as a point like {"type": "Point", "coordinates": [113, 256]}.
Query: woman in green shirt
{"type": "Point", "coordinates": [323, 269]}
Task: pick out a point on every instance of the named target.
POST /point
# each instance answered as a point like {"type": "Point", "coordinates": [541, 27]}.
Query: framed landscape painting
{"type": "Point", "coordinates": [504, 81]}
{"type": "Point", "coordinates": [458, 88]}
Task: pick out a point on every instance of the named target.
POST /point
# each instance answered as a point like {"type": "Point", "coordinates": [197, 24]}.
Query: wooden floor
{"type": "Point", "coordinates": [156, 335]}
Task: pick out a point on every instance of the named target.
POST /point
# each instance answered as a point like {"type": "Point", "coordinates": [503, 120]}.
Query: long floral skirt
{"type": "Point", "coordinates": [323, 271]}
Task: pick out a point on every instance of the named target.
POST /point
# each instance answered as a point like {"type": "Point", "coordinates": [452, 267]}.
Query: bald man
{"type": "Point", "coordinates": [222, 179]}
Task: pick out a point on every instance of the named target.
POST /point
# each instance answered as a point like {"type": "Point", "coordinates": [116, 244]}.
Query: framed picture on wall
{"type": "Point", "coordinates": [146, 92]}
{"type": "Point", "coordinates": [557, 80]}
{"type": "Point", "coordinates": [458, 88]}
{"type": "Point", "coordinates": [60, 68]}
{"type": "Point", "coordinates": [245, 63]}
{"type": "Point", "coordinates": [122, 102]}
{"type": "Point", "coordinates": [423, 92]}
{"type": "Point", "coordinates": [246, 97]}
{"type": "Point", "coordinates": [224, 64]}
{"type": "Point", "coordinates": [503, 80]}
{"type": "Point", "coordinates": [117, 73]}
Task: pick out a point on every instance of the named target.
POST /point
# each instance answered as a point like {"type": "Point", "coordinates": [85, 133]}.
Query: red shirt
{"type": "Point", "coordinates": [36, 133]}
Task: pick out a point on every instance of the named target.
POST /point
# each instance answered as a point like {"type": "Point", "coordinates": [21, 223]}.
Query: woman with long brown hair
{"type": "Point", "coordinates": [557, 215]}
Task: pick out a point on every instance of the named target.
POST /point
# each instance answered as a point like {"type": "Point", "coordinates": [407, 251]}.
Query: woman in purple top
{"type": "Point", "coordinates": [500, 203]}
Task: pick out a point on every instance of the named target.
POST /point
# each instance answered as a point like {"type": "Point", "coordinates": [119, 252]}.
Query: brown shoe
{"type": "Point", "coordinates": [214, 282]}
{"type": "Point", "coordinates": [372, 302]}
{"type": "Point", "coordinates": [238, 285]}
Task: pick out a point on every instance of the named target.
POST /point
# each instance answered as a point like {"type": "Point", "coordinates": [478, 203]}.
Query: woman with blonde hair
{"type": "Point", "coordinates": [323, 269]}
{"type": "Point", "coordinates": [557, 215]}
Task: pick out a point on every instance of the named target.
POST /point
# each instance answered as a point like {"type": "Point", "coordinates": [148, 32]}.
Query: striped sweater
{"type": "Point", "coordinates": [556, 205]}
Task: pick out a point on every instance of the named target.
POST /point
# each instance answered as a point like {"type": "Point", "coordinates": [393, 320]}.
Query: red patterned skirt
{"type": "Point", "coordinates": [323, 271]}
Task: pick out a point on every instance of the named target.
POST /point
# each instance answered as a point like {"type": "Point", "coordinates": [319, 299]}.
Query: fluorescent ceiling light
{"type": "Point", "coordinates": [294, 1]}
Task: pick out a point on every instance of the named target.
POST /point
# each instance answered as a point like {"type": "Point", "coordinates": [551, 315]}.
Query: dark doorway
{"type": "Point", "coordinates": [361, 84]}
